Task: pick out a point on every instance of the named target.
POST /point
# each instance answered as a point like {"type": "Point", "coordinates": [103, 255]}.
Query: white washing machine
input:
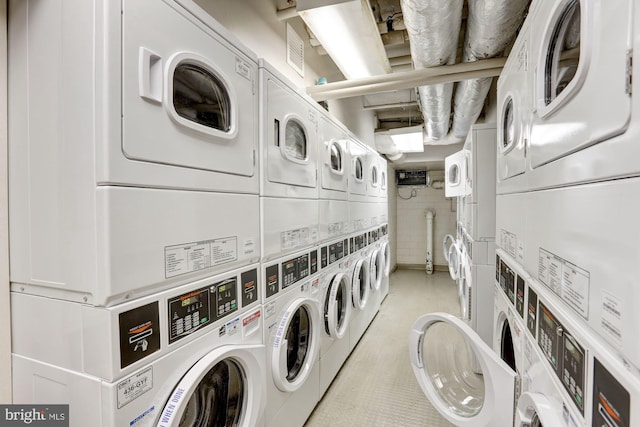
{"type": "Point", "coordinates": [385, 250]}
{"type": "Point", "coordinates": [336, 307]}
{"type": "Point", "coordinates": [292, 337]}
{"type": "Point", "coordinates": [153, 361]}
{"type": "Point", "coordinates": [361, 293]}
{"type": "Point", "coordinates": [581, 246]}
{"type": "Point", "coordinates": [455, 166]}
{"type": "Point", "coordinates": [357, 182]}
{"type": "Point", "coordinates": [573, 375]}
{"type": "Point", "coordinates": [475, 289]}
{"type": "Point", "coordinates": [137, 173]}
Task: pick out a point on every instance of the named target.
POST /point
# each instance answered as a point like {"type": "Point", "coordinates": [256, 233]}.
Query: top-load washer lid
{"type": "Point", "coordinates": [442, 349]}
{"type": "Point", "coordinates": [296, 345]}
{"type": "Point", "coordinates": [535, 410]}
{"type": "Point", "coordinates": [217, 391]}
{"type": "Point", "coordinates": [337, 306]}
{"type": "Point", "coordinates": [360, 284]}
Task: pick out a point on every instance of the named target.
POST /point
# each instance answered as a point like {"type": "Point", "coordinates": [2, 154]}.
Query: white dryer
{"type": "Point", "coordinates": [159, 360]}
{"type": "Point", "coordinates": [336, 307]}
{"type": "Point", "coordinates": [455, 166]}
{"type": "Point", "coordinates": [137, 173]}
{"type": "Point", "coordinates": [581, 113]}
{"type": "Point", "coordinates": [361, 294]}
{"type": "Point", "coordinates": [515, 109]}
{"type": "Point", "coordinates": [357, 179]}
{"type": "Point", "coordinates": [292, 332]}
{"type": "Point", "coordinates": [288, 163]}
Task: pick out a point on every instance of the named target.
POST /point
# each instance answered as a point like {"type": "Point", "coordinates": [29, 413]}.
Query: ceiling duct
{"type": "Point", "coordinates": [433, 27]}
{"type": "Point", "coordinates": [491, 26]}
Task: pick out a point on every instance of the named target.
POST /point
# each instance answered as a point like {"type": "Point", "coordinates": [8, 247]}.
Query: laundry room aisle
{"type": "Point", "coordinates": [376, 386]}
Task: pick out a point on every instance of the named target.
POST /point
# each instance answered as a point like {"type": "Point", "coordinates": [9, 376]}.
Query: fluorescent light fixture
{"type": "Point", "coordinates": [408, 140]}
{"type": "Point", "coordinates": [349, 34]}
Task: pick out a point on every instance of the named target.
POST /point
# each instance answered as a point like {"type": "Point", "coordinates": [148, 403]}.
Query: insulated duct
{"type": "Point", "coordinates": [491, 26]}
{"type": "Point", "coordinates": [433, 27]}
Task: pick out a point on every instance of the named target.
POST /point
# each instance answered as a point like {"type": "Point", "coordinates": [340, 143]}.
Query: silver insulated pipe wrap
{"type": "Point", "coordinates": [433, 27]}
{"type": "Point", "coordinates": [491, 26]}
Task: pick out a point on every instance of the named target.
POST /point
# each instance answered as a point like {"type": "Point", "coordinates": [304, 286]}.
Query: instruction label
{"type": "Point", "coordinates": [509, 242]}
{"type": "Point", "coordinates": [299, 237]}
{"type": "Point", "coordinates": [611, 317]}
{"type": "Point", "coordinates": [565, 279]}
{"type": "Point", "coordinates": [134, 386]}
{"type": "Point", "coordinates": [189, 257]}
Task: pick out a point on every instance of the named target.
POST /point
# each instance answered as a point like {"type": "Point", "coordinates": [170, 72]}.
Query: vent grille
{"type": "Point", "coordinates": [295, 51]}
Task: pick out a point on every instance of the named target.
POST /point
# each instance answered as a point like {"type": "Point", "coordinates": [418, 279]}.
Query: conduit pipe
{"type": "Point", "coordinates": [429, 265]}
{"type": "Point", "coordinates": [433, 27]}
{"type": "Point", "coordinates": [491, 26]}
{"type": "Point", "coordinates": [407, 79]}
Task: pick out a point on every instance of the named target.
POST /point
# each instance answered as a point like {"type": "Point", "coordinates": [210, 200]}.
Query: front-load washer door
{"type": "Point", "coordinates": [454, 175]}
{"type": "Point", "coordinates": [386, 254]}
{"type": "Point", "coordinates": [376, 264]}
{"type": "Point", "coordinates": [360, 288]}
{"type": "Point", "coordinates": [536, 410]}
{"type": "Point", "coordinates": [582, 83]}
{"type": "Point", "coordinates": [218, 391]}
{"type": "Point", "coordinates": [337, 306]}
{"type": "Point", "coordinates": [334, 160]}
{"type": "Point", "coordinates": [290, 135]}
{"type": "Point", "coordinates": [455, 260]}
{"type": "Point", "coordinates": [295, 347]}
{"type": "Point", "coordinates": [465, 290]}
{"type": "Point", "coordinates": [188, 96]}
{"type": "Point", "coordinates": [442, 349]}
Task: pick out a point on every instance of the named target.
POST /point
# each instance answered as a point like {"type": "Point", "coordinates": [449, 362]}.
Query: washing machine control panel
{"type": "Point", "coordinates": [196, 309]}
{"type": "Point", "coordinates": [373, 236]}
{"type": "Point", "coordinates": [532, 311]}
{"type": "Point", "coordinates": [189, 312]}
{"type": "Point", "coordinates": [336, 251]}
{"type": "Point", "coordinates": [520, 296]}
{"type": "Point", "coordinates": [566, 355]}
{"type": "Point", "coordinates": [498, 262]}
{"type": "Point", "coordinates": [507, 281]}
{"type": "Point", "coordinates": [294, 270]}
{"type": "Point", "coordinates": [384, 230]}
{"type": "Point", "coordinates": [358, 242]}
{"type": "Point", "coordinates": [611, 401]}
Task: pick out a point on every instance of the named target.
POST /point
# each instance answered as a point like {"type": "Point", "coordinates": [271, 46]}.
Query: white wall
{"type": "Point", "coordinates": [412, 223]}
{"type": "Point", "coordinates": [5, 317]}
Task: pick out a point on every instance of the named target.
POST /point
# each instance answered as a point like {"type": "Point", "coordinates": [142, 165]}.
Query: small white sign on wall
{"type": "Point", "coordinates": [295, 50]}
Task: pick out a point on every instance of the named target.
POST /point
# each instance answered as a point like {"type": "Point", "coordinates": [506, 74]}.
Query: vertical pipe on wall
{"type": "Point", "coordinates": [429, 264]}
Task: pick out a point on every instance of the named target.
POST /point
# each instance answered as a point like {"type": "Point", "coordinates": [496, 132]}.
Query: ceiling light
{"type": "Point", "coordinates": [409, 139]}
{"type": "Point", "coordinates": [349, 34]}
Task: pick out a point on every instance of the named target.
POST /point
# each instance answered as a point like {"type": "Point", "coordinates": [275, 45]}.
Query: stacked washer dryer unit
{"type": "Point", "coordinates": [378, 215]}
{"type": "Point", "coordinates": [574, 208]}
{"type": "Point", "coordinates": [289, 223]}
{"type": "Point", "coordinates": [383, 233]}
{"type": "Point", "coordinates": [360, 220]}
{"type": "Point", "coordinates": [335, 281]}
{"type": "Point", "coordinates": [477, 229]}
{"type": "Point", "coordinates": [455, 186]}
{"type": "Point", "coordinates": [134, 215]}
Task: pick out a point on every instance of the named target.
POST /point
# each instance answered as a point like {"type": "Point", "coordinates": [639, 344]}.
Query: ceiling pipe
{"type": "Point", "coordinates": [407, 79]}
{"type": "Point", "coordinates": [390, 106]}
{"type": "Point", "coordinates": [433, 27]}
{"type": "Point", "coordinates": [491, 27]}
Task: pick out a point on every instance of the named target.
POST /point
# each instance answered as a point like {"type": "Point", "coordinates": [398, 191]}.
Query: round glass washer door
{"type": "Point", "coordinates": [444, 350]}
{"type": "Point", "coordinates": [218, 390]}
{"type": "Point", "coordinates": [386, 254]}
{"type": "Point", "coordinates": [360, 285]}
{"type": "Point", "coordinates": [295, 345]}
{"type": "Point", "coordinates": [337, 306]}
{"type": "Point", "coordinates": [376, 264]}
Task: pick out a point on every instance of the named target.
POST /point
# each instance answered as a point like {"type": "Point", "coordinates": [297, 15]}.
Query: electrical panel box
{"type": "Point", "coordinates": [412, 178]}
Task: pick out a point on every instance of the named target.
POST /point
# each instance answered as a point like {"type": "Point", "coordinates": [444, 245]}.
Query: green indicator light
{"type": "Point", "coordinates": [222, 288]}
{"type": "Point", "coordinates": [204, 320]}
